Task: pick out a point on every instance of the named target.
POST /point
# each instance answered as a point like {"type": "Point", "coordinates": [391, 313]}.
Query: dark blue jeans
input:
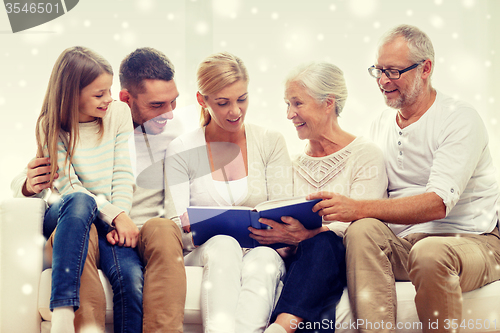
{"type": "Point", "coordinates": [121, 265]}
{"type": "Point", "coordinates": [124, 270]}
{"type": "Point", "coordinates": [314, 282]}
{"type": "Point", "coordinates": [73, 214]}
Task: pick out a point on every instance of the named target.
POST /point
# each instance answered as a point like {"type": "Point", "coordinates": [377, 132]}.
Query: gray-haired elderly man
{"type": "Point", "coordinates": [439, 226]}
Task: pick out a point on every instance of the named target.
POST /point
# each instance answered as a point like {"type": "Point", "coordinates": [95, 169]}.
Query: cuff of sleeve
{"type": "Point", "coordinates": [338, 227]}
{"type": "Point", "coordinates": [187, 241]}
{"type": "Point", "coordinates": [449, 194]}
{"type": "Point", "coordinates": [108, 213]}
{"type": "Point", "coordinates": [187, 238]}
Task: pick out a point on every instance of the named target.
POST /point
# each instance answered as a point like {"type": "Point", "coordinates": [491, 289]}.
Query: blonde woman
{"type": "Point", "coordinates": [227, 162]}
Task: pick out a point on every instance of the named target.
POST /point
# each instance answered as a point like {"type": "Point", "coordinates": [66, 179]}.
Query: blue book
{"type": "Point", "coordinates": [207, 221]}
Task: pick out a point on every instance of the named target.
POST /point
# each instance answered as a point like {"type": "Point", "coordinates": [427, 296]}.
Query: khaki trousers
{"type": "Point", "coordinates": [91, 314]}
{"type": "Point", "coordinates": [164, 293]}
{"type": "Point", "coordinates": [440, 266]}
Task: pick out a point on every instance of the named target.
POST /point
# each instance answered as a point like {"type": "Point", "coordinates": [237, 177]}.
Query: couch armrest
{"type": "Point", "coordinates": [21, 260]}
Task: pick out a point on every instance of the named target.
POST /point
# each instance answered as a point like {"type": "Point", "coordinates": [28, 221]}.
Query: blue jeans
{"type": "Point", "coordinates": [124, 270]}
{"type": "Point", "coordinates": [121, 265]}
{"type": "Point", "coordinates": [314, 282]}
{"type": "Point", "coordinates": [73, 214]}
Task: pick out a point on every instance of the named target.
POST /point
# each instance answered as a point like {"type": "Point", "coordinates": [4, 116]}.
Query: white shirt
{"type": "Point", "coordinates": [445, 152]}
{"type": "Point", "coordinates": [148, 152]}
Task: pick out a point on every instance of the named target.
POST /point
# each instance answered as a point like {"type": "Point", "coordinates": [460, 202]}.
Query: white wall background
{"type": "Point", "coordinates": [270, 36]}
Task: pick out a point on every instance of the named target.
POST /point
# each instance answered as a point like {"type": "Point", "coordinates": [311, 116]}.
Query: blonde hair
{"type": "Point", "coordinates": [76, 68]}
{"type": "Point", "coordinates": [217, 72]}
{"type": "Point", "coordinates": [321, 80]}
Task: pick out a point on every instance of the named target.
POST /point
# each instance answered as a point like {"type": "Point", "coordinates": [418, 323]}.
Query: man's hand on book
{"type": "Point", "coordinates": [336, 207]}
{"type": "Point", "coordinates": [291, 232]}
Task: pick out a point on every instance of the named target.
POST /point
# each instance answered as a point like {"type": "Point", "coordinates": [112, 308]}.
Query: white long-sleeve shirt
{"type": "Point", "coordinates": [445, 152]}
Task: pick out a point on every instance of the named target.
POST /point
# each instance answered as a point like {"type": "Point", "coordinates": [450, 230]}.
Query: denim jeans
{"type": "Point", "coordinates": [124, 269]}
{"type": "Point", "coordinates": [314, 282]}
{"type": "Point", "coordinates": [121, 265]}
{"type": "Point", "coordinates": [73, 214]}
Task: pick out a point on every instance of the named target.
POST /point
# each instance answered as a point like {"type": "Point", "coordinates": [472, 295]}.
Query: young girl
{"type": "Point", "coordinates": [84, 135]}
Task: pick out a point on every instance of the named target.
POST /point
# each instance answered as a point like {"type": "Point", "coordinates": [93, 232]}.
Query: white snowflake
{"type": "Point", "coordinates": [363, 8]}
{"type": "Point", "coordinates": [202, 28]}
{"type": "Point", "coordinates": [27, 289]}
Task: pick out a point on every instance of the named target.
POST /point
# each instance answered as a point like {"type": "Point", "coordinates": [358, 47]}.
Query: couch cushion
{"type": "Point", "coordinates": [192, 313]}
{"type": "Point", "coordinates": [481, 307]}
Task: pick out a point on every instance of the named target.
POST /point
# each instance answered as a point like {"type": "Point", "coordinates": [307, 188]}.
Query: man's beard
{"type": "Point", "coordinates": [406, 99]}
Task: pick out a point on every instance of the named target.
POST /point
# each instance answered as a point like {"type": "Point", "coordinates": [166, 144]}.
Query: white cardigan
{"type": "Point", "coordinates": [189, 178]}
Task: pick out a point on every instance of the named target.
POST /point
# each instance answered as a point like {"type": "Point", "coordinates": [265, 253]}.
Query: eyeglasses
{"type": "Point", "coordinates": [392, 74]}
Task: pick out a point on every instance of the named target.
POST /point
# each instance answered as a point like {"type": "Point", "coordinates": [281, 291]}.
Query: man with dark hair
{"type": "Point", "coordinates": [148, 87]}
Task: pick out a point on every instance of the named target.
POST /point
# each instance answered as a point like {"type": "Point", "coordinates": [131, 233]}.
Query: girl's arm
{"type": "Point", "coordinates": [122, 185]}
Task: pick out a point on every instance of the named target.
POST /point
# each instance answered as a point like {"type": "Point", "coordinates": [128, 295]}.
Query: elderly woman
{"type": "Point", "coordinates": [334, 161]}
{"type": "Point", "coordinates": [228, 163]}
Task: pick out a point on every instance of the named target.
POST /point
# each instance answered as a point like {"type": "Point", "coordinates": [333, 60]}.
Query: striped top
{"type": "Point", "coordinates": [100, 168]}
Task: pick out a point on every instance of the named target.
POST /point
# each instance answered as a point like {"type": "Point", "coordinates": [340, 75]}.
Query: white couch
{"type": "Point", "coordinates": [25, 290]}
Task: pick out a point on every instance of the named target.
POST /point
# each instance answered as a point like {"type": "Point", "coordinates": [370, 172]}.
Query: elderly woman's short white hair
{"type": "Point", "coordinates": [321, 80]}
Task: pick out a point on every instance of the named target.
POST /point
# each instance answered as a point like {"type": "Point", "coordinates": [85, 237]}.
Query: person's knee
{"type": "Point", "coordinates": [263, 260]}
{"type": "Point", "coordinates": [323, 241]}
{"type": "Point", "coordinates": [78, 207]}
{"type": "Point", "coordinates": [160, 228]}
{"type": "Point", "coordinates": [362, 229]}
{"type": "Point", "coordinates": [325, 247]}
{"type": "Point", "coordinates": [431, 257]}
{"type": "Point", "coordinates": [80, 199]}
{"type": "Point", "coordinates": [160, 243]}
{"type": "Point", "coordinates": [223, 247]}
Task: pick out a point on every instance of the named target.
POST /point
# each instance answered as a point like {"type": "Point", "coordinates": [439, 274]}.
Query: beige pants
{"type": "Point", "coordinates": [164, 293]}
{"type": "Point", "coordinates": [441, 266]}
{"type": "Point", "coordinates": [164, 296]}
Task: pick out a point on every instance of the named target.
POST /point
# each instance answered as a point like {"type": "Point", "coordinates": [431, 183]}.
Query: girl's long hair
{"type": "Point", "coordinates": [76, 68]}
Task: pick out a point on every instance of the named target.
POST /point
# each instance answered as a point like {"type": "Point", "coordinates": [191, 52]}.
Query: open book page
{"type": "Point", "coordinates": [211, 211]}
{"type": "Point", "coordinates": [280, 203]}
